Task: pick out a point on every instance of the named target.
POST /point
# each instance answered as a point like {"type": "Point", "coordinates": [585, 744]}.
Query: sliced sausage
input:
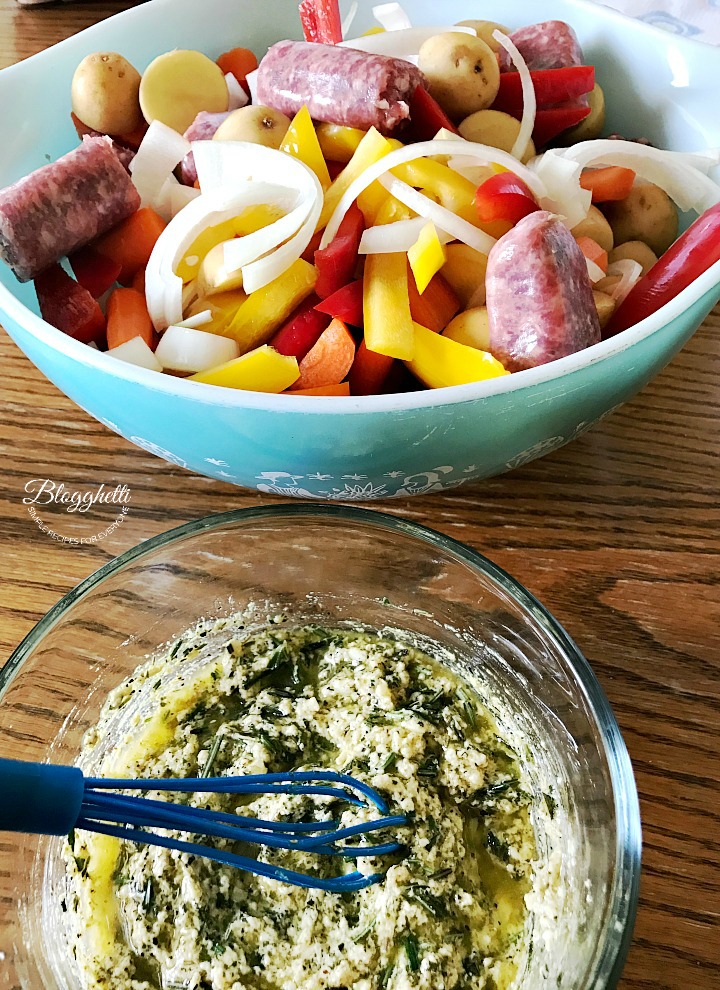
{"type": "Point", "coordinates": [63, 206]}
{"type": "Point", "coordinates": [548, 45]}
{"type": "Point", "coordinates": [338, 85]}
{"type": "Point", "coordinates": [203, 128]}
{"type": "Point", "coordinates": [539, 298]}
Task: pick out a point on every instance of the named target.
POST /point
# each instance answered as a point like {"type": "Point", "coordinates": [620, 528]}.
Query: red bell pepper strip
{"type": "Point", "coordinates": [335, 168]}
{"type": "Point", "coordinates": [550, 123]}
{"type": "Point", "coordinates": [346, 304]}
{"type": "Point", "coordinates": [336, 263]}
{"type": "Point", "coordinates": [321, 21]}
{"type": "Point", "coordinates": [552, 87]}
{"type": "Point", "coordinates": [609, 184]}
{"type": "Point", "coordinates": [94, 271]}
{"type": "Point", "coordinates": [65, 304]}
{"type": "Point", "coordinates": [370, 371]}
{"type": "Point", "coordinates": [436, 306]}
{"type": "Point", "coordinates": [302, 331]}
{"type": "Point", "coordinates": [684, 261]}
{"type": "Point", "coordinates": [504, 197]}
{"type": "Point", "coordinates": [427, 117]}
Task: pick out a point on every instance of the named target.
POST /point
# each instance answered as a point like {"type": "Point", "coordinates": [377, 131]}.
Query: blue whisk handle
{"type": "Point", "coordinates": [38, 798]}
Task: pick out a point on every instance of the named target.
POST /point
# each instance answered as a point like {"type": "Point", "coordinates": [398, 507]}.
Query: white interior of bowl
{"type": "Point", "coordinates": [661, 84]}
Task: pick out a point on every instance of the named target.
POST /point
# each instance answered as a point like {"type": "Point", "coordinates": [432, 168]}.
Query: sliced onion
{"type": "Point", "coordinates": [564, 195]}
{"type": "Point", "coordinates": [426, 149]}
{"type": "Point", "coordinates": [189, 350]}
{"type": "Point", "coordinates": [237, 97]}
{"type": "Point", "coordinates": [163, 288]}
{"type": "Point", "coordinates": [527, 122]}
{"type": "Point", "coordinates": [243, 250]}
{"type": "Point", "coordinates": [392, 17]}
{"type": "Point", "coordinates": [401, 44]}
{"type": "Point", "coordinates": [180, 196]}
{"type": "Point", "coordinates": [198, 320]}
{"type": "Point", "coordinates": [137, 352]}
{"type": "Point", "coordinates": [251, 80]}
{"type": "Point", "coordinates": [443, 218]}
{"type": "Point", "coordinates": [594, 271]}
{"type": "Point", "coordinates": [349, 18]}
{"type": "Point", "coordinates": [234, 175]}
{"type": "Point", "coordinates": [685, 183]}
{"type": "Point", "coordinates": [630, 271]}
{"type": "Point", "coordinates": [160, 151]}
{"type": "Point", "coordinates": [390, 238]}
{"type": "Point", "coordinates": [162, 203]}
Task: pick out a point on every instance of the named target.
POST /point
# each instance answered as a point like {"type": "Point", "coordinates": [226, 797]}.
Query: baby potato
{"type": "Point", "coordinates": [260, 125]}
{"type": "Point", "coordinates": [462, 72]}
{"type": "Point", "coordinates": [176, 86]}
{"type": "Point", "coordinates": [495, 128]}
{"type": "Point", "coordinates": [470, 328]}
{"type": "Point", "coordinates": [596, 226]}
{"type": "Point", "coordinates": [104, 93]}
{"type": "Point", "coordinates": [484, 31]}
{"type": "Point", "coordinates": [647, 214]}
{"type": "Point", "coordinates": [634, 251]}
{"type": "Point", "coordinates": [605, 306]}
{"type": "Point", "coordinates": [592, 126]}
{"type": "Point", "coordinates": [464, 270]}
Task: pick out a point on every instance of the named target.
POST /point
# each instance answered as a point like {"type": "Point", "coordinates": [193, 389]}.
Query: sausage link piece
{"type": "Point", "coordinates": [338, 85]}
{"type": "Point", "coordinates": [539, 298]}
{"type": "Point", "coordinates": [203, 128]}
{"type": "Point", "coordinates": [63, 206]}
{"type": "Point", "coordinates": [548, 45]}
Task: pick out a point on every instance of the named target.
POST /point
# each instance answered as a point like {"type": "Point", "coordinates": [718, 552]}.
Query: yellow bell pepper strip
{"type": "Point", "coordinates": [338, 143]}
{"type": "Point", "coordinates": [440, 362]}
{"type": "Point", "coordinates": [204, 243]}
{"type": "Point", "coordinates": [261, 370]}
{"type": "Point", "coordinates": [426, 256]}
{"type": "Point", "coordinates": [450, 189]}
{"type": "Point", "coordinates": [265, 310]}
{"type": "Point", "coordinates": [222, 305]}
{"type": "Point", "coordinates": [301, 142]}
{"type": "Point", "coordinates": [250, 220]}
{"type": "Point", "coordinates": [386, 306]}
{"type": "Point", "coordinates": [371, 149]}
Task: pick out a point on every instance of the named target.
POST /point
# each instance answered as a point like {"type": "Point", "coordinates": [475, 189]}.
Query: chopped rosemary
{"type": "Point", "coordinates": [212, 756]}
{"type": "Point", "coordinates": [499, 849]}
{"type": "Point", "coordinates": [550, 804]}
{"type": "Point", "coordinates": [432, 904]}
{"type": "Point", "coordinates": [412, 951]}
{"type": "Point", "coordinates": [430, 767]}
{"type": "Point", "coordinates": [363, 933]}
{"type": "Point", "coordinates": [440, 874]}
{"type": "Point", "coordinates": [389, 763]}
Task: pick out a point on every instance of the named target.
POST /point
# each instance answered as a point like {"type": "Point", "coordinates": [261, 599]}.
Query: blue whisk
{"type": "Point", "coordinates": [44, 799]}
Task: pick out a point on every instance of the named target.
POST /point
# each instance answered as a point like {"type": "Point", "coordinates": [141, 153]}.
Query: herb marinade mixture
{"type": "Point", "coordinates": [450, 913]}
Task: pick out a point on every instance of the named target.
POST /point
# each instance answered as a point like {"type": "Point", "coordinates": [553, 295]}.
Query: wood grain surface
{"type": "Point", "coordinates": [618, 534]}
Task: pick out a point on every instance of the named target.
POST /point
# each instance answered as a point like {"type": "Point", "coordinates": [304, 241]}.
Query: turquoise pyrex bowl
{"type": "Point", "coordinates": [656, 84]}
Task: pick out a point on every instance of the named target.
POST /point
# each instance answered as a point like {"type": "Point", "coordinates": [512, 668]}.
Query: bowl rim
{"type": "Point", "coordinates": [623, 902]}
{"type": "Point", "coordinates": [226, 397]}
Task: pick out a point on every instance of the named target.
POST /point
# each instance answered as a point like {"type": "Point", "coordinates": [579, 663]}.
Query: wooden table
{"type": "Point", "coordinates": [618, 534]}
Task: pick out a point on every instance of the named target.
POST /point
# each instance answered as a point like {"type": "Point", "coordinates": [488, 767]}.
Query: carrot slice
{"type": "Point", "coordinates": [128, 317]}
{"type": "Point", "coordinates": [342, 389]}
{"type": "Point", "coordinates": [593, 252]}
{"type": "Point", "coordinates": [130, 244]}
{"type": "Point", "coordinates": [436, 306]}
{"type": "Point", "coordinates": [370, 371]}
{"type": "Point", "coordinates": [238, 61]}
{"type": "Point", "coordinates": [138, 282]}
{"type": "Point", "coordinates": [329, 361]}
{"type": "Point", "coordinates": [608, 184]}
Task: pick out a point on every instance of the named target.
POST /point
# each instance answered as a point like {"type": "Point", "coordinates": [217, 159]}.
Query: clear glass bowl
{"type": "Point", "coordinates": [334, 565]}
